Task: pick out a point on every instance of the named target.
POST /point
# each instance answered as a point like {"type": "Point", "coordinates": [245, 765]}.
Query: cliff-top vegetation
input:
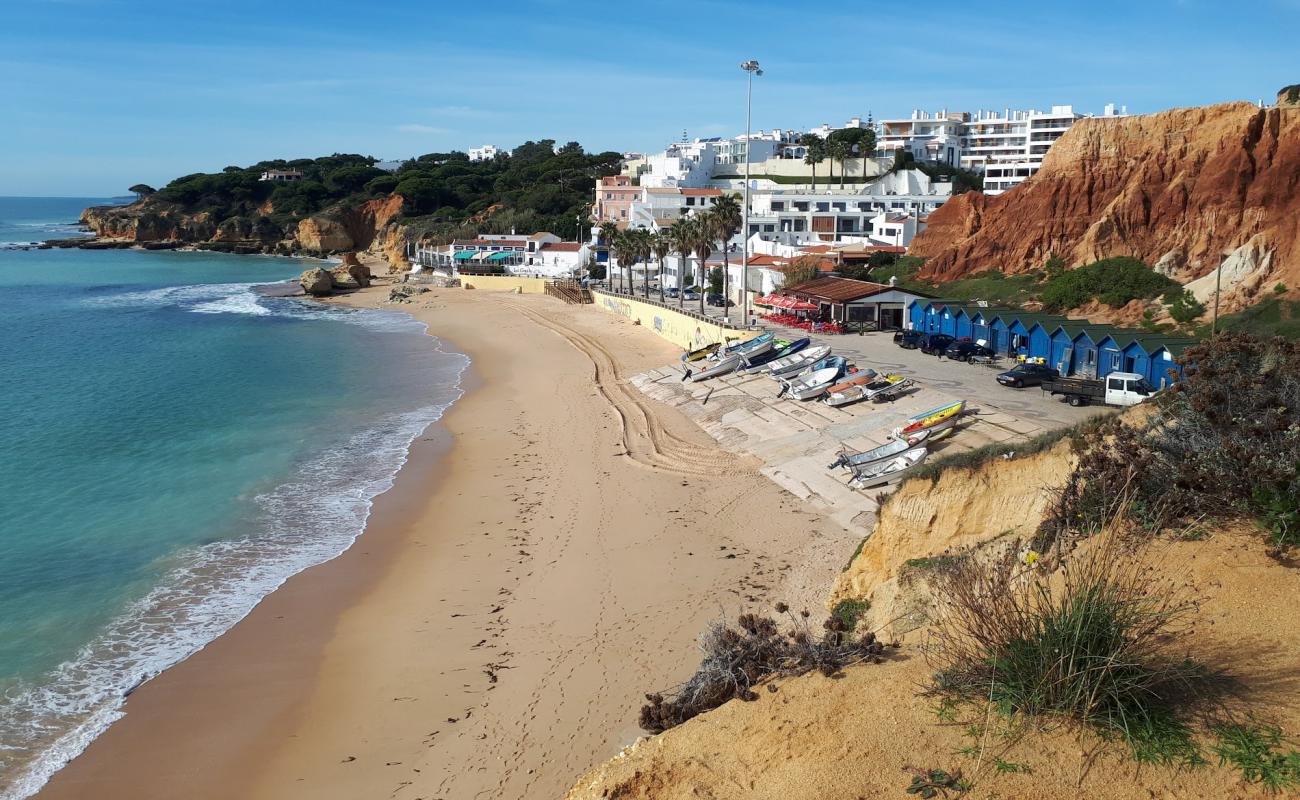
{"type": "Point", "coordinates": [537, 186]}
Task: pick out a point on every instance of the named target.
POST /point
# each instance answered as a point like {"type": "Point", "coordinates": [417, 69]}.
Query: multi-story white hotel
{"type": "Point", "coordinates": [1008, 147]}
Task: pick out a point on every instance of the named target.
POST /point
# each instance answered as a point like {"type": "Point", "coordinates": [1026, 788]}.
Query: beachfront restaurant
{"type": "Point", "coordinates": [846, 300]}
{"type": "Point", "coordinates": [1073, 347]}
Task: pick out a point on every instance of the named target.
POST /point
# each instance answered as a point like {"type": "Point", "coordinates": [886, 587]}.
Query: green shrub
{"type": "Point", "coordinates": [1223, 442]}
{"type": "Point", "coordinates": [1280, 288]}
{"type": "Point", "coordinates": [1054, 267]}
{"type": "Point", "coordinates": [848, 612]}
{"type": "Point", "coordinates": [1113, 281]}
{"type": "Point", "coordinates": [1254, 749]}
{"type": "Point", "coordinates": [1183, 306]}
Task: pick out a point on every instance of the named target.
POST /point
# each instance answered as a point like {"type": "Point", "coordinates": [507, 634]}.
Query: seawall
{"type": "Point", "coordinates": [687, 331]}
{"type": "Point", "coordinates": [504, 283]}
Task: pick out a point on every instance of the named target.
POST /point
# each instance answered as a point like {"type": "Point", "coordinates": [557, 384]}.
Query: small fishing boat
{"type": "Point", "coordinates": [934, 433]}
{"type": "Point", "coordinates": [933, 417]}
{"type": "Point", "coordinates": [794, 363]}
{"type": "Point", "coordinates": [859, 388]}
{"type": "Point", "coordinates": [714, 369]}
{"type": "Point", "coordinates": [813, 384]}
{"type": "Point", "coordinates": [854, 461]}
{"type": "Point", "coordinates": [890, 469]}
{"type": "Point", "coordinates": [702, 353]}
{"type": "Point", "coordinates": [780, 349]}
{"type": "Point", "coordinates": [750, 347]}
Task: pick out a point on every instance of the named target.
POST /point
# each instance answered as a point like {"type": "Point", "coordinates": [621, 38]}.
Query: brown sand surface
{"type": "Point", "coordinates": [492, 632]}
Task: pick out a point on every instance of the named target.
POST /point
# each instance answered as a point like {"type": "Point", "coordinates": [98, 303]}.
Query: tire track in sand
{"type": "Point", "coordinates": [644, 438]}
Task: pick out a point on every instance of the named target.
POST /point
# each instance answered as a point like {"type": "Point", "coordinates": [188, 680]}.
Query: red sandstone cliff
{"type": "Point", "coordinates": [1178, 189]}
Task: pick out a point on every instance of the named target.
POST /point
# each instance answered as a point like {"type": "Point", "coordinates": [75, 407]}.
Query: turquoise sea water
{"type": "Point", "coordinates": [175, 445]}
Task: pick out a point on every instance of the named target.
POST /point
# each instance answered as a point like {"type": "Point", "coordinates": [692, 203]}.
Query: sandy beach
{"type": "Point", "coordinates": [549, 554]}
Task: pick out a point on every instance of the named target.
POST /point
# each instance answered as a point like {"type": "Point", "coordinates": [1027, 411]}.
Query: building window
{"type": "Point", "coordinates": [778, 206]}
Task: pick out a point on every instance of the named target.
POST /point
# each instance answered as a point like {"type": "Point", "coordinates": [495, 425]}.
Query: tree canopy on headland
{"type": "Point", "coordinates": [538, 186]}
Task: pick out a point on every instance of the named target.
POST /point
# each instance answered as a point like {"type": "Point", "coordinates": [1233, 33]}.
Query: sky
{"type": "Point", "coordinates": [98, 95]}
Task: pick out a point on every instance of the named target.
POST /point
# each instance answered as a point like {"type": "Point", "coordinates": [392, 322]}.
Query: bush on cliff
{"type": "Point", "coordinates": [1224, 442]}
{"type": "Point", "coordinates": [737, 661]}
{"type": "Point", "coordinates": [1113, 281]}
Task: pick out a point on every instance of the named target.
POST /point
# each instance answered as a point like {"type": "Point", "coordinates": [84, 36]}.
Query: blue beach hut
{"type": "Point", "coordinates": [999, 337]}
{"type": "Point", "coordinates": [962, 323]}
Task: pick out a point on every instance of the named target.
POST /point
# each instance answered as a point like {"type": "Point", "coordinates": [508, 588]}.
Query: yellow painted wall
{"type": "Point", "coordinates": [504, 283]}
{"type": "Point", "coordinates": [683, 330]}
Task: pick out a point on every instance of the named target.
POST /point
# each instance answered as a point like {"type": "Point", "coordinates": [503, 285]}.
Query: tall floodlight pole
{"type": "Point", "coordinates": [751, 68]}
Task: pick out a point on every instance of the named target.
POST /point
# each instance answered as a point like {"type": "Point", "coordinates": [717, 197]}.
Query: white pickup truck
{"type": "Point", "coordinates": [1116, 389]}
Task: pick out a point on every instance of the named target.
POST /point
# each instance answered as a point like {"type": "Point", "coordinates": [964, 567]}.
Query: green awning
{"type": "Point", "coordinates": [499, 256]}
{"type": "Point", "coordinates": [464, 255]}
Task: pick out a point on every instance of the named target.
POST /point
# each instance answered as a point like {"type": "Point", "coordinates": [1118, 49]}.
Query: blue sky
{"type": "Point", "coordinates": [100, 94]}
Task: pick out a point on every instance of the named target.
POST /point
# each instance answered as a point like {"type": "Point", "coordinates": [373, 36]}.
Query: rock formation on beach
{"type": "Point", "coordinates": [1179, 190]}
{"type": "Point", "coordinates": [155, 223]}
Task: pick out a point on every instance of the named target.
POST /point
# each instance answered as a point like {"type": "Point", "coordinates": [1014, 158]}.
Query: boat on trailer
{"type": "Point", "coordinates": [855, 390]}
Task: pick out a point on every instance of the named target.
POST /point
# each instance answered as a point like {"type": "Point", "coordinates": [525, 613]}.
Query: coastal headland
{"type": "Point", "coordinates": [549, 554]}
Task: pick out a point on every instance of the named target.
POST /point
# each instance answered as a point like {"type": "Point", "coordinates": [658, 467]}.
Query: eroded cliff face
{"type": "Point", "coordinates": [1179, 190]}
{"type": "Point", "coordinates": [347, 228]}
{"type": "Point", "coordinates": [339, 229]}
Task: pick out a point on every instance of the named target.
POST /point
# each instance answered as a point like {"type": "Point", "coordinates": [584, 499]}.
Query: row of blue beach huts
{"type": "Point", "coordinates": [1072, 346]}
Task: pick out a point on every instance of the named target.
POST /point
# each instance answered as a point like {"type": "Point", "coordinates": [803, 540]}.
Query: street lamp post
{"type": "Point", "coordinates": [751, 68]}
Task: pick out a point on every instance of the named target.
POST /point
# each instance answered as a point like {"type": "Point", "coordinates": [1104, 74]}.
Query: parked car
{"type": "Point", "coordinates": [908, 340]}
{"type": "Point", "coordinates": [671, 291]}
{"type": "Point", "coordinates": [1022, 375]}
{"type": "Point", "coordinates": [688, 295]}
{"type": "Point", "coordinates": [1116, 389]}
{"type": "Point", "coordinates": [715, 299]}
{"type": "Point", "coordinates": [962, 351]}
{"type": "Point", "coordinates": [934, 344]}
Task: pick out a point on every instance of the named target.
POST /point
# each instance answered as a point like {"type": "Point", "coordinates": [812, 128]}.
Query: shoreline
{"type": "Point", "coordinates": [337, 660]}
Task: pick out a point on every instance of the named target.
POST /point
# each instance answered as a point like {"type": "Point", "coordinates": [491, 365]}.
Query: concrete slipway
{"type": "Point", "coordinates": [796, 440]}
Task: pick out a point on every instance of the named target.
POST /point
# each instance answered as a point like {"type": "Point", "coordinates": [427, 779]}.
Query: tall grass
{"type": "Point", "coordinates": [1092, 645]}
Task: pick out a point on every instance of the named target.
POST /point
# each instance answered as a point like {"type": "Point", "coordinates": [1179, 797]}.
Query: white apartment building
{"type": "Point", "coordinates": [662, 207]}
{"type": "Point", "coordinates": [792, 218]}
{"type": "Point", "coordinates": [693, 164]}
{"type": "Point", "coordinates": [485, 153]}
{"type": "Point", "coordinates": [1008, 147]}
{"type": "Point", "coordinates": [928, 137]}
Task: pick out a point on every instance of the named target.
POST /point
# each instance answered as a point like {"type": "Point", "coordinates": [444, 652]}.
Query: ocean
{"type": "Point", "coordinates": [175, 446]}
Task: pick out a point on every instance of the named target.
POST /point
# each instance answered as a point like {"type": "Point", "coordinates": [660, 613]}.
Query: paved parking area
{"type": "Point", "coordinates": [972, 382]}
{"type": "Point", "coordinates": [796, 440]}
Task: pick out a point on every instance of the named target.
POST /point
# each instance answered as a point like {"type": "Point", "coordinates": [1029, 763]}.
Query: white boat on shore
{"type": "Point", "coordinates": [855, 461]}
{"type": "Point", "coordinates": [890, 469]}
{"type": "Point", "coordinates": [714, 369]}
{"type": "Point", "coordinates": [792, 365]}
{"type": "Point", "coordinates": [806, 387]}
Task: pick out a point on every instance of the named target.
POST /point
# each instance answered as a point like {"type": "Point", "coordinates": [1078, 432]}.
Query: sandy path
{"type": "Point", "coordinates": [562, 565]}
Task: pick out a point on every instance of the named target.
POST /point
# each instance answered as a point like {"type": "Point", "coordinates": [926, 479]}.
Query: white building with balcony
{"type": "Point", "coordinates": [928, 137]}
{"type": "Point", "coordinates": [793, 218]}
{"type": "Point", "coordinates": [485, 153]}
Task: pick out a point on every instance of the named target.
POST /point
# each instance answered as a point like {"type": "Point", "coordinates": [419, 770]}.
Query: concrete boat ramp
{"type": "Point", "coordinates": [795, 439]}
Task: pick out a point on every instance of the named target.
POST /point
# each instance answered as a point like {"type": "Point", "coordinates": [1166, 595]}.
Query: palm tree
{"type": "Point", "coordinates": [724, 220]}
{"type": "Point", "coordinates": [608, 233]}
{"type": "Point", "coordinates": [702, 244]}
{"type": "Point", "coordinates": [683, 243]}
{"type": "Point", "coordinates": [816, 150]}
{"type": "Point", "coordinates": [625, 250]}
{"type": "Point", "coordinates": [662, 244]}
{"type": "Point", "coordinates": [839, 150]}
{"type": "Point", "coordinates": [644, 250]}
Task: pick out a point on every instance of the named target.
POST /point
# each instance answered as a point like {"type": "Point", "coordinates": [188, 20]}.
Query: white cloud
{"type": "Point", "coordinates": [415, 127]}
